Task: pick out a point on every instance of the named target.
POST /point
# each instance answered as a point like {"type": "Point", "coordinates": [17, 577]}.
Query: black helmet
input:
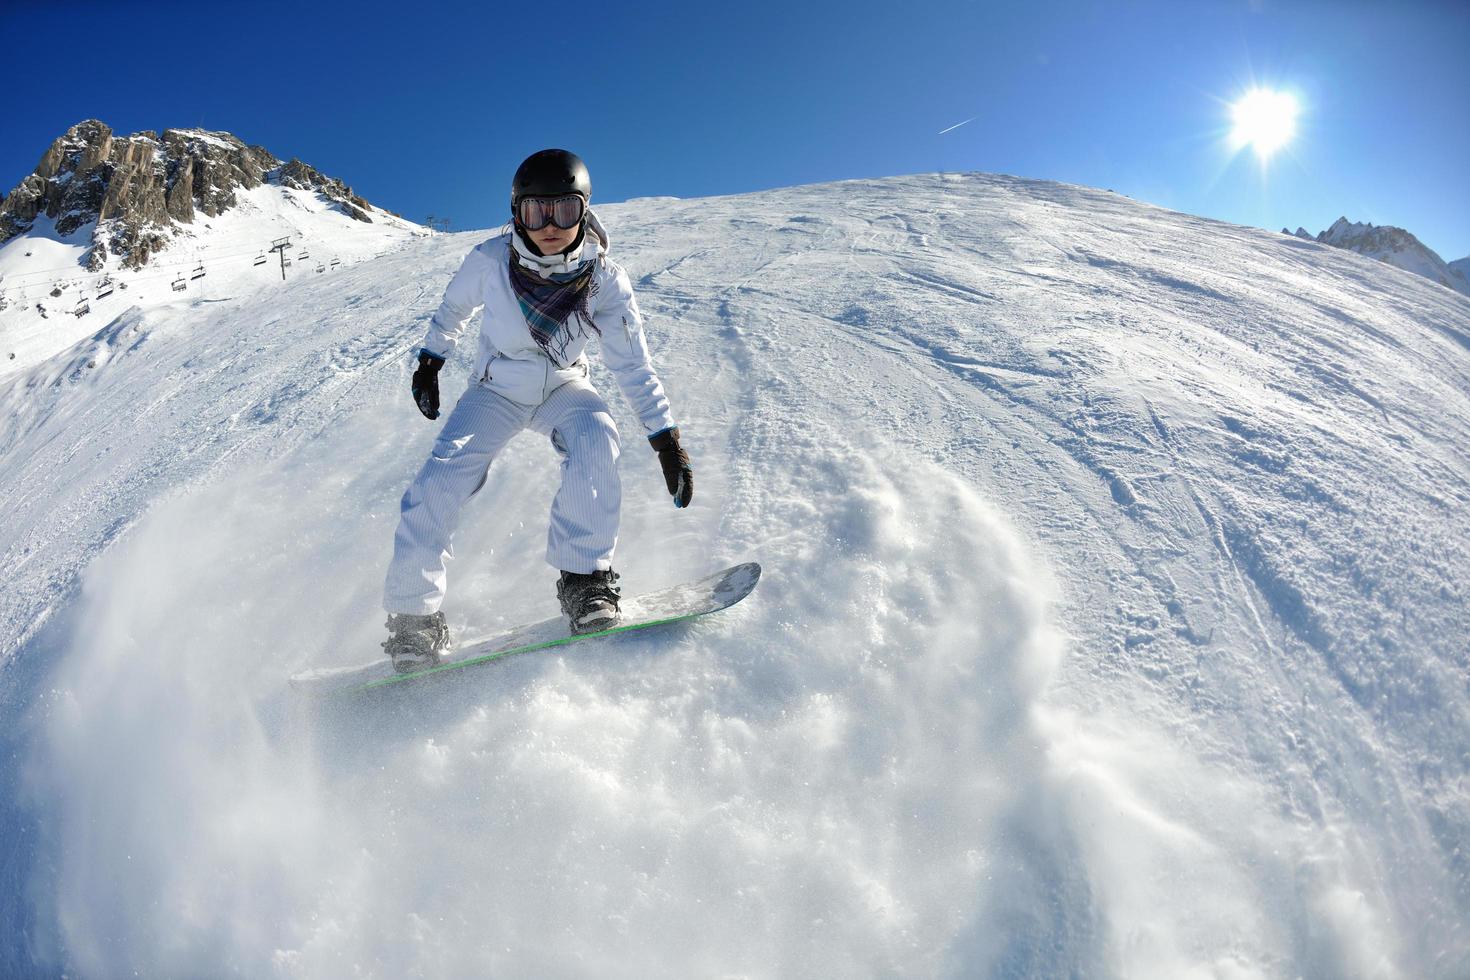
{"type": "Point", "coordinates": [550, 173]}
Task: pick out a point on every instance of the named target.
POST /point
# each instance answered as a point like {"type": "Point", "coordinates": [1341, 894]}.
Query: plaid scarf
{"type": "Point", "coordinates": [548, 302]}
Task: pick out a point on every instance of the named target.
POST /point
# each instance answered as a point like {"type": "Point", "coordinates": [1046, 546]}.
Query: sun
{"type": "Point", "coordinates": [1264, 119]}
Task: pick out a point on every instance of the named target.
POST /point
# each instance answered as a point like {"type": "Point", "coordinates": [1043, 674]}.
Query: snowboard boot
{"type": "Point", "coordinates": [589, 601]}
{"type": "Point", "coordinates": [415, 642]}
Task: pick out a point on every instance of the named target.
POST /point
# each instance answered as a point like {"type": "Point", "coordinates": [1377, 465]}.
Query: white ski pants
{"type": "Point", "coordinates": [584, 513]}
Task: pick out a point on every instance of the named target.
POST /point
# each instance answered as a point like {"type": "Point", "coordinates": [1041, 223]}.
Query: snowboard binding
{"type": "Point", "coordinates": [590, 602]}
{"type": "Point", "coordinates": [416, 642]}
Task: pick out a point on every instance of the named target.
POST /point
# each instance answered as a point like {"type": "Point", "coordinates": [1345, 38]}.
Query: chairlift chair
{"type": "Point", "coordinates": [260, 259]}
{"type": "Point", "coordinates": [285, 262]}
{"type": "Point", "coordinates": [180, 285]}
{"type": "Point", "coordinates": [83, 309]}
{"type": "Point", "coordinates": [336, 262]}
{"type": "Point", "coordinates": [303, 256]}
{"type": "Point", "coordinates": [197, 273]}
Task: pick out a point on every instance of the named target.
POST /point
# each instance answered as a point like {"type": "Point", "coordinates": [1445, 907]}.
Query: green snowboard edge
{"type": "Point", "coordinates": [417, 675]}
{"type": "Point", "coordinates": [529, 647]}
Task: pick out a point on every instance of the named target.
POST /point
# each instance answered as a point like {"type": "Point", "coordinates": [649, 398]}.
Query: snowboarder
{"type": "Point", "coordinates": [545, 286]}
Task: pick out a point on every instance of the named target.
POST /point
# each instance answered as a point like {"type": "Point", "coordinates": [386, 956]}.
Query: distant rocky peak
{"type": "Point", "coordinates": [135, 190]}
{"type": "Point", "coordinates": [1364, 237]}
{"type": "Point", "coordinates": [81, 148]}
{"type": "Point", "coordinates": [1342, 227]}
{"type": "Point", "coordinates": [1394, 246]}
{"type": "Point", "coordinates": [305, 177]}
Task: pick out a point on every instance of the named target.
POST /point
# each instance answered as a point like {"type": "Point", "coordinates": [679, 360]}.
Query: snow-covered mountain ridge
{"type": "Point", "coordinates": [134, 191]}
{"type": "Point", "coordinates": [1395, 246]}
{"type": "Point", "coordinates": [1113, 621]}
{"type": "Point", "coordinates": [109, 222]}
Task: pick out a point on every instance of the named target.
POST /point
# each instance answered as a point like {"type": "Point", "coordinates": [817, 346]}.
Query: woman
{"type": "Point", "coordinates": [545, 286]}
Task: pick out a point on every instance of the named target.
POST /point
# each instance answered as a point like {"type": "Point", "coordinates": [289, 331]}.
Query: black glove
{"type": "Point", "coordinates": [426, 384]}
{"type": "Point", "coordinates": [678, 474]}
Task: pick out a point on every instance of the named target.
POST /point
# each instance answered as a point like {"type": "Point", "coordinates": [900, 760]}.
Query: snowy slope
{"type": "Point", "coordinates": [226, 249]}
{"type": "Point", "coordinates": [1113, 621]}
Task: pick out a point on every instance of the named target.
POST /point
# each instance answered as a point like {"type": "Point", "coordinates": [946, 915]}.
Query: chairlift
{"type": "Point", "coordinates": [104, 288]}
{"type": "Point", "coordinates": [180, 285]}
{"type": "Point", "coordinates": [303, 256]}
{"type": "Point", "coordinates": [83, 309]}
{"type": "Point", "coordinates": [320, 267]}
{"type": "Point", "coordinates": [197, 273]}
{"type": "Point", "coordinates": [336, 262]}
{"type": "Point", "coordinates": [260, 259]}
{"type": "Point", "coordinates": [285, 262]}
{"type": "Point", "coordinates": [106, 292]}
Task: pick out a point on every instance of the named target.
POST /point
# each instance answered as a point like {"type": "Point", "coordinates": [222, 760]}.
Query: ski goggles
{"type": "Point", "coordinates": [535, 213]}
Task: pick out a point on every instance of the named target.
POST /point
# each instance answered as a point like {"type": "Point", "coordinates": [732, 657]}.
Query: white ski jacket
{"type": "Point", "coordinates": [510, 362]}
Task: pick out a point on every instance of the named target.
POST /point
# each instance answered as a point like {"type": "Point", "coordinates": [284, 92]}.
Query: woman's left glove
{"type": "Point", "coordinates": [678, 474]}
{"type": "Point", "coordinates": [426, 384]}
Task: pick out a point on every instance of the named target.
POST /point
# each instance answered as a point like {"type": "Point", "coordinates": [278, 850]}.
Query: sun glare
{"type": "Point", "coordinates": [1264, 119]}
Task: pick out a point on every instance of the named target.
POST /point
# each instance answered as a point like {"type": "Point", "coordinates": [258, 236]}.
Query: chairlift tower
{"type": "Point", "coordinates": [279, 246]}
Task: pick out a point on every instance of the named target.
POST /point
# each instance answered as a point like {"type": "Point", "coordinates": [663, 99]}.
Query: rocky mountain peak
{"type": "Point", "coordinates": [1392, 245]}
{"type": "Point", "coordinates": [134, 190]}
{"type": "Point", "coordinates": [305, 177]}
{"type": "Point", "coordinates": [1365, 238]}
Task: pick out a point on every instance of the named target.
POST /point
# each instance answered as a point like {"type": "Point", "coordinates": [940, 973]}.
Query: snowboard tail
{"type": "Point", "coordinates": [672, 605]}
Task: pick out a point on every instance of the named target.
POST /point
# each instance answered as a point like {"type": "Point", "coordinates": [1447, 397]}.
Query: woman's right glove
{"type": "Point", "coordinates": [426, 384]}
{"type": "Point", "coordinates": [678, 474]}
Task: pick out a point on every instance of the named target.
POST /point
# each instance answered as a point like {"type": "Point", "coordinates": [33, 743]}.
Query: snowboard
{"type": "Point", "coordinates": [672, 605]}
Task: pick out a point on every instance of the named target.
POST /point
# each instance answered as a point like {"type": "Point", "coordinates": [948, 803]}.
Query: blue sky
{"type": "Point", "coordinates": [428, 107]}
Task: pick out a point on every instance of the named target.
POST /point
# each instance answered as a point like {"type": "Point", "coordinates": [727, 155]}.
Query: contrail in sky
{"type": "Point", "coordinates": [957, 125]}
